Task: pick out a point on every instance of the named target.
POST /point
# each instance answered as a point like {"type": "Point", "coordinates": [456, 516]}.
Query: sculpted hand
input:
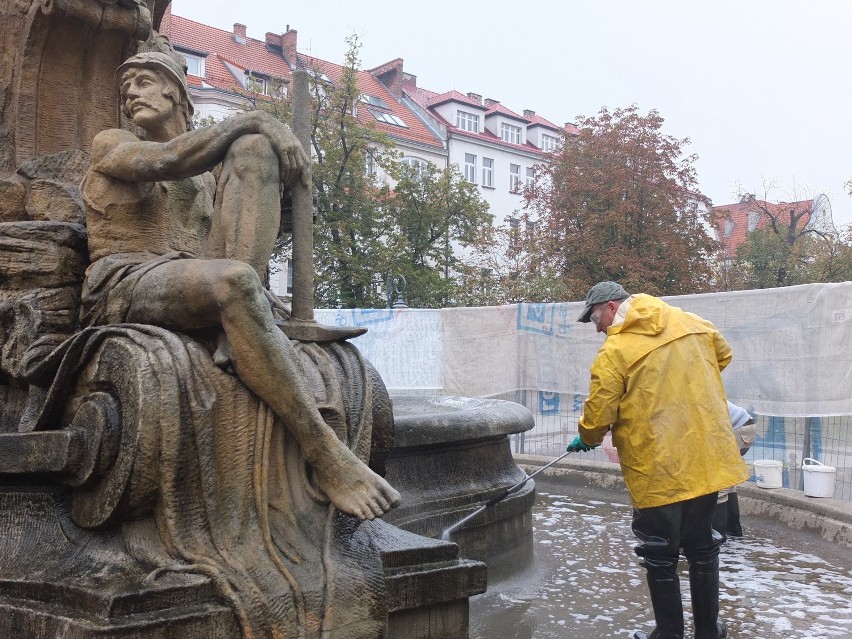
{"type": "Point", "coordinates": [578, 446]}
{"type": "Point", "coordinates": [292, 158]}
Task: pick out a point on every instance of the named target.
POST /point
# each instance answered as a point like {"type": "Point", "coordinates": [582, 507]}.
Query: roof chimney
{"type": "Point", "coordinates": [274, 43]}
{"type": "Point", "coordinates": [489, 102]}
{"type": "Point", "coordinates": [289, 40]}
{"type": "Point", "coordinates": [391, 75]}
{"type": "Point", "coordinates": [239, 33]}
{"type": "Point", "coordinates": [529, 113]}
{"type": "Point", "coordinates": [475, 97]}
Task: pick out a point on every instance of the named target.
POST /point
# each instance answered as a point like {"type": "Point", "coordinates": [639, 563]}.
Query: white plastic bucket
{"type": "Point", "coordinates": [819, 479]}
{"type": "Point", "coordinates": [767, 472]}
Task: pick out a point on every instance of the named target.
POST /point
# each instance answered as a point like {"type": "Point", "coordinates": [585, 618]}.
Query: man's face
{"type": "Point", "coordinates": [144, 94]}
{"type": "Point", "coordinates": [602, 315]}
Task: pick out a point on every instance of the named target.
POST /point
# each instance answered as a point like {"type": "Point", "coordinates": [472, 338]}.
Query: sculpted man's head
{"type": "Point", "coordinates": [145, 80]}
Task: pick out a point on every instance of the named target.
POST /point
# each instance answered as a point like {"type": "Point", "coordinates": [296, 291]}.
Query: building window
{"type": "Point", "coordinates": [530, 177]}
{"type": "Point", "coordinates": [289, 277]}
{"type": "Point", "coordinates": [548, 142]}
{"type": "Point", "coordinates": [265, 86]}
{"type": "Point", "coordinates": [374, 100]}
{"type": "Point", "coordinates": [514, 233]}
{"type": "Point", "coordinates": [488, 172]}
{"type": "Point", "coordinates": [467, 121]}
{"type": "Point", "coordinates": [514, 178]}
{"type": "Point", "coordinates": [729, 227]}
{"type": "Point", "coordinates": [530, 227]}
{"type": "Point", "coordinates": [418, 164]}
{"type": "Point", "coordinates": [194, 65]}
{"type": "Point", "coordinates": [470, 167]}
{"type": "Point", "coordinates": [509, 133]}
{"type": "Point", "coordinates": [753, 219]}
{"type": "Point", "coordinates": [371, 165]}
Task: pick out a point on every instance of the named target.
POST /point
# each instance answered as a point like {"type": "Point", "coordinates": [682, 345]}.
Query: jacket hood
{"type": "Point", "coordinates": [647, 315]}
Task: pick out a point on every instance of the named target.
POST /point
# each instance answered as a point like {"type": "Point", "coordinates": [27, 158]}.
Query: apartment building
{"type": "Point", "coordinates": [223, 67]}
{"type": "Point", "coordinates": [493, 146]}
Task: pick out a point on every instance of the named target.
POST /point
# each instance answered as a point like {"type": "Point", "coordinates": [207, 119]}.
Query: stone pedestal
{"type": "Point", "coordinates": [57, 580]}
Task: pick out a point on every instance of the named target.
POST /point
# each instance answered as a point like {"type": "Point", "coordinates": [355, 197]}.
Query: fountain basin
{"type": "Point", "coordinates": [450, 456]}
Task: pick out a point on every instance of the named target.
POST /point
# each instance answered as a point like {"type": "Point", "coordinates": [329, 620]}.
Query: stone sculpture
{"type": "Point", "coordinates": [256, 480]}
{"type": "Point", "coordinates": [179, 455]}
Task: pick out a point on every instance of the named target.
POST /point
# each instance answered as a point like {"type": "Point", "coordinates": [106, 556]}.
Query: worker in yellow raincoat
{"type": "Point", "coordinates": [656, 384]}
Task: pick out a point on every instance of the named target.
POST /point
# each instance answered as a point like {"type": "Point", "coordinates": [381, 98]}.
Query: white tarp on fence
{"type": "Point", "coordinates": [792, 347]}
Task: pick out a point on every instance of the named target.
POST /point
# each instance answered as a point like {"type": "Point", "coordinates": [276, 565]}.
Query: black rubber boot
{"type": "Point", "coordinates": [664, 586]}
{"type": "Point", "coordinates": [734, 528]}
{"type": "Point", "coordinates": [720, 518]}
{"type": "Point", "coordinates": [704, 588]}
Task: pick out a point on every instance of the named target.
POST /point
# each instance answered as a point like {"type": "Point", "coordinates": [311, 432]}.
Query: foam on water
{"type": "Point", "coordinates": [585, 581]}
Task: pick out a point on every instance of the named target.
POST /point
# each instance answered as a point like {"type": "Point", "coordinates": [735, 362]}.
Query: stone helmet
{"type": "Point", "coordinates": [164, 64]}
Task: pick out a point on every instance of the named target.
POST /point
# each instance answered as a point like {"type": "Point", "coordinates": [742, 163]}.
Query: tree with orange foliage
{"type": "Point", "coordinates": [619, 202]}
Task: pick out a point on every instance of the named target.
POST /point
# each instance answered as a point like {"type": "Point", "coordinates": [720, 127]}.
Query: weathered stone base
{"type": "Point", "coordinates": [57, 580]}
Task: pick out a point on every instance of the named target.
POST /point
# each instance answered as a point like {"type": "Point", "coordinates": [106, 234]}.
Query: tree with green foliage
{"type": "Point", "coordinates": [433, 213]}
{"type": "Point", "coordinates": [350, 245]}
{"type": "Point", "coordinates": [365, 230]}
{"type": "Point", "coordinates": [618, 202]}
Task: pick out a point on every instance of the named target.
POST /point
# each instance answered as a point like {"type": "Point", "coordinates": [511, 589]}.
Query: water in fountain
{"type": "Point", "coordinates": [585, 582]}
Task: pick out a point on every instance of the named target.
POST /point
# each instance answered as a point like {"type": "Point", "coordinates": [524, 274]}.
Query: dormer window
{"type": "Point", "coordinates": [194, 65]}
{"type": "Point", "coordinates": [548, 142]}
{"type": "Point", "coordinates": [265, 86]}
{"type": "Point", "coordinates": [753, 219]}
{"type": "Point", "coordinates": [509, 133]}
{"type": "Point", "coordinates": [194, 61]}
{"type": "Point", "coordinates": [467, 121]}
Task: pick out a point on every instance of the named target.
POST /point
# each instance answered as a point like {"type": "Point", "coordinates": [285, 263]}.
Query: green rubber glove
{"type": "Point", "coordinates": [578, 446]}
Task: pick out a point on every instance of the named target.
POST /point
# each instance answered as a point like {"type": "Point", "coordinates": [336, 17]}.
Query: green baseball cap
{"type": "Point", "coordinates": [600, 293]}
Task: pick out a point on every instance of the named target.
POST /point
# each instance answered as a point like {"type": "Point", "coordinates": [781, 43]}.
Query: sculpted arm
{"type": "Point", "coordinates": [120, 154]}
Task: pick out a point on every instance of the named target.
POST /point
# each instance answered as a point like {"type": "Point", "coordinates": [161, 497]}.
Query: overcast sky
{"type": "Point", "coordinates": [760, 87]}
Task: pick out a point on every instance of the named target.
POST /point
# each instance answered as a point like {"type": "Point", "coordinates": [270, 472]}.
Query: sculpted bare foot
{"type": "Point", "coordinates": [353, 488]}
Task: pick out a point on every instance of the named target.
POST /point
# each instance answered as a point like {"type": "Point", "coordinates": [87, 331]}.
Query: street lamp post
{"type": "Point", "coordinates": [396, 287]}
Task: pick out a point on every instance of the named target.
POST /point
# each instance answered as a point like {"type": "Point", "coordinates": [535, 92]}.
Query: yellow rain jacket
{"type": "Point", "coordinates": [656, 381]}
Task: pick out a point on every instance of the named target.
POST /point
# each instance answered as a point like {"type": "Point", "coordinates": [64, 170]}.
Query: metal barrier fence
{"type": "Point", "coordinates": [785, 439]}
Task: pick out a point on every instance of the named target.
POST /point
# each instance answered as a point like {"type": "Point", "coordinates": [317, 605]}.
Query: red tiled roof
{"type": "Point", "coordinates": [497, 108]}
{"type": "Point", "coordinates": [451, 96]}
{"type": "Point", "coordinates": [537, 120]}
{"type": "Point", "coordinates": [738, 214]}
{"type": "Point", "coordinates": [368, 84]}
{"type": "Point", "coordinates": [218, 45]}
{"type": "Point", "coordinates": [254, 55]}
{"type": "Point", "coordinates": [428, 99]}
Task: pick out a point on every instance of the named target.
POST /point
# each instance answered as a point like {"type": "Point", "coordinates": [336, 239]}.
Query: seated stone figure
{"type": "Point", "coordinates": [240, 478]}
{"type": "Point", "coordinates": [149, 202]}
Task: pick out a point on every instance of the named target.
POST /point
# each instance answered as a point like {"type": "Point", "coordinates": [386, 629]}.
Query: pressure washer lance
{"type": "Point", "coordinates": [446, 534]}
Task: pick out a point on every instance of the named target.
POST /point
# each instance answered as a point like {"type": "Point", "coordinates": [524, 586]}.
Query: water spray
{"type": "Point", "coordinates": [500, 497]}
